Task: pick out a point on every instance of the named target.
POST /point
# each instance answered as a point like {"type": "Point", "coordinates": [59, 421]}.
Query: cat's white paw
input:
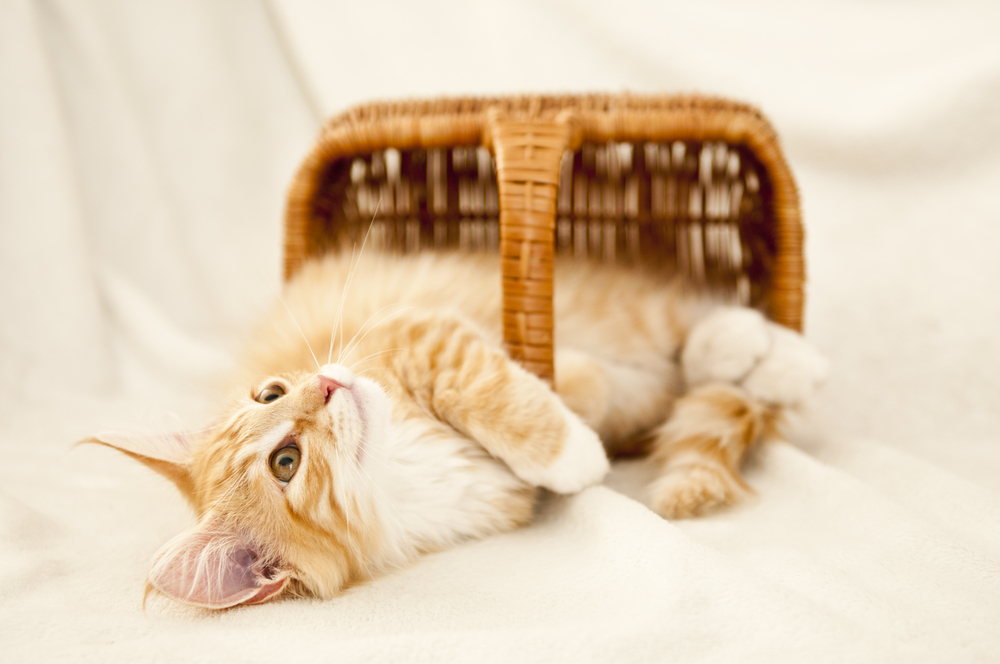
{"type": "Point", "coordinates": [790, 372]}
{"type": "Point", "coordinates": [739, 346]}
{"type": "Point", "coordinates": [725, 346]}
{"type": "Point", "coordinates": [581, 463]}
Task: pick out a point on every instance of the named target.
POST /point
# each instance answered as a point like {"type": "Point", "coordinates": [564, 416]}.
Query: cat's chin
{"type": "Point", "coordinates": [371, 407]}
{"type": "Point", "coordinates": [366, 425]}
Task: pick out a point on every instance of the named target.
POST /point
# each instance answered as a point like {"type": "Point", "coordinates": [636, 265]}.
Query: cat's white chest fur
{"type": "Point", "coordinates": [433, 488]}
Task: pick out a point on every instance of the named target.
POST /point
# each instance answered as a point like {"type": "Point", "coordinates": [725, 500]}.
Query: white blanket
{"type": "Point", "coordinates": [144, 151]}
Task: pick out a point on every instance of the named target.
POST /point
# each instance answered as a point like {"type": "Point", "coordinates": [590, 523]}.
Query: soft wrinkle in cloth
{"type": "Point", "coordinates": [144, 153]}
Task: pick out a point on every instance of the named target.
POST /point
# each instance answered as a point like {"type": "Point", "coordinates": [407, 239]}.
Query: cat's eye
{"type": "Point", "coordinates": [284, 462]}
{"type": "Point", "coordinates": [272, 392]}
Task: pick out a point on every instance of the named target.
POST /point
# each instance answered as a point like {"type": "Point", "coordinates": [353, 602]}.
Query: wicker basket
{"type": "Point", "coordinates": [687, 184]}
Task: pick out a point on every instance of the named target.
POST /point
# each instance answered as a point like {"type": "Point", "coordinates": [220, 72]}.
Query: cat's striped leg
{"type": "Point", "coordinates": [700, 449]}
{"type": "Point", "coordinates": [741, 371]}
{"type": "Point", "coordinates": [471, 384]}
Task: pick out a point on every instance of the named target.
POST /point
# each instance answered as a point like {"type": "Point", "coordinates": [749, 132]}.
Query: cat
{"type": "Point", "coordinates": [418, 431]}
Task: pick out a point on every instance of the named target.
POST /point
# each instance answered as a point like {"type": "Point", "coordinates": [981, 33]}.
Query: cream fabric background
{"type": "Point", "coordinates": [144, 151]}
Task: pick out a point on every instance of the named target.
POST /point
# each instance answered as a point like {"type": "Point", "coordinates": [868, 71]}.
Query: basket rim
{"type": "Point", "coordinates": [454, 121]}
{"type": "Point", "coordinates": [540, 105]}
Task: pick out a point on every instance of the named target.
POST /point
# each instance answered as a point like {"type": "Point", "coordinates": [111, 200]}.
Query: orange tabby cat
{"type": "Point", "coordinates": [418, 432]}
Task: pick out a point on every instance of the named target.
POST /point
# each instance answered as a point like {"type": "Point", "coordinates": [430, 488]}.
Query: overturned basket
{"type": "Point", "coordinates": [693, 185]}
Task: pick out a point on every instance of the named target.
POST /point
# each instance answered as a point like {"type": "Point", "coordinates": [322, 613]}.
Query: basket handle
{"type": "Point", "coordinates": [528, 153]}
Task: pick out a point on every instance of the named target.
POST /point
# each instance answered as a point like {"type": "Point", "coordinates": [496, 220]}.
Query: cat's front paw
{"type": "Point", "coordinates": [582, 461]}
{"type": "Point", "coordinates": [690, 490]}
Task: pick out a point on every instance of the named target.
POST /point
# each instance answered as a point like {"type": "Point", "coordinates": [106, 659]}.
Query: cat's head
{"type": "Point", "coordinates": [280, 484]}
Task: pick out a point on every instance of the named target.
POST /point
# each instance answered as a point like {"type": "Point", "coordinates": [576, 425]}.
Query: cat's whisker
{"type": "Point", "coordinates": [346, 510]}
{"type": "Point", "coordinates": [372, 328]}
{"type": "Point", "coordinates": [387, 511]}
{"type": "Point", "coordinates": [371, 457]}
{"type": "Point", "coordinates": [369, 369]}
{"type": "Point", "coordinates": [372, 356]}
{"type": "Point", "coordinates": [340, 310]}
{"type": "Point", "coordinates": [231, 489]}
{"type": "Point", "coordinates": [348, 351]}
{"type": "Point", "coordinates": [284, 304]}
{"type": "Point", "coordinates": [349, 462]}
{"type": "Point", "coordinates": [350, 277]}
{"type": "Point", "coordinates": [376, 378]}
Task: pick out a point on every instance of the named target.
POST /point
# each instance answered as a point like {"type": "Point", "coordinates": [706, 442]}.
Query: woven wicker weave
{"type": "Point", "coordinates": [692, 185]}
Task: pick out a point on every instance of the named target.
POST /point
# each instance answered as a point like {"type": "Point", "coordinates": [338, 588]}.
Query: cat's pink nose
{"type": "Point", "coordinates": [327, 386]}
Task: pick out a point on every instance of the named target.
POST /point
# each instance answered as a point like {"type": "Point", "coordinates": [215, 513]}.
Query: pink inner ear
{"type": "Point", "coordinates": [212, 567]}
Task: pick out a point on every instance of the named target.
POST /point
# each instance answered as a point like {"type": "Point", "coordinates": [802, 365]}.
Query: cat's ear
{"type": "Point", "coordinates": [168, 454]}
{"type": "Point", "coordinates": [215, 568]}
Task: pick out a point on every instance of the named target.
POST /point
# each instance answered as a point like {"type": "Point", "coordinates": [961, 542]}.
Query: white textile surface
{"type": "Point", "coordinates": [144, 152]}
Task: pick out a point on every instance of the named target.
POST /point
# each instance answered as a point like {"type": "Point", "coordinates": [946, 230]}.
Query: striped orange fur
{"type": "Point", "coordinates": [375, 417]}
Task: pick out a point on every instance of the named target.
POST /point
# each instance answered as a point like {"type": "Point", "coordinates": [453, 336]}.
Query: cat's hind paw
{"type": "Point", "coordinates": [790, 372]}
{"type": "Point", "coordinates": [690, 490]}
{"type": "Point", "coordinates": [739, 346]}
{"type": "Point", "coordinates": [582, 461]}
{"type": "Point", "coordinates": [725, 346]}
